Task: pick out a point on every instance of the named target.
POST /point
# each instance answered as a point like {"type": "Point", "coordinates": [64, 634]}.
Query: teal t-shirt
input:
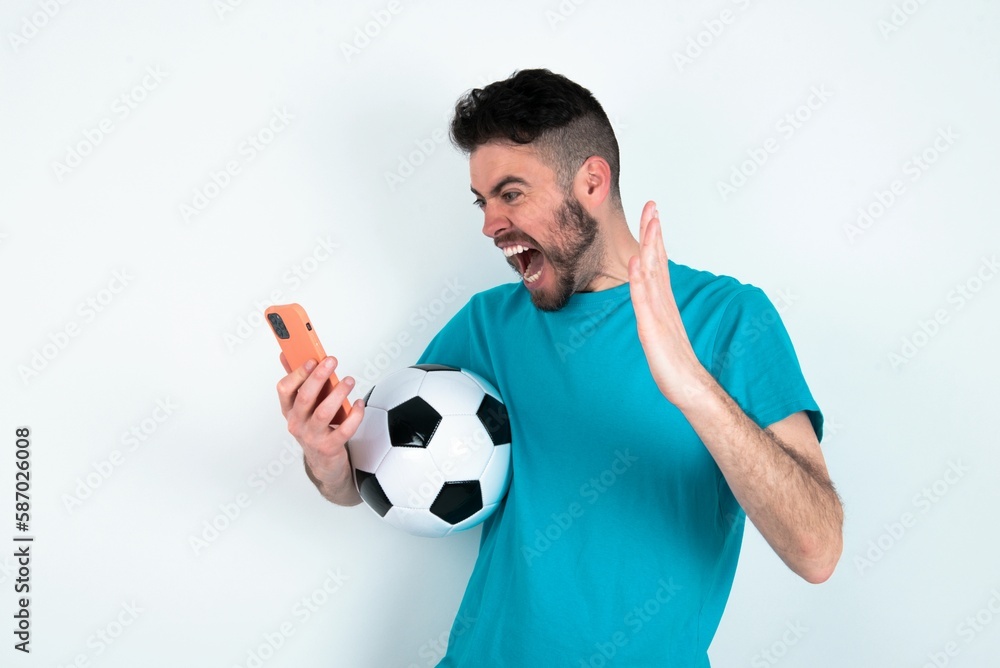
{"type": "Point", "coordinates": [618, 539]}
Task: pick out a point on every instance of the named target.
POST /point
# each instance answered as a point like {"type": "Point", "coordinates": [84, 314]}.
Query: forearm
{"type": "Point", "coordinates": [343, 493]}
{"type": "Point", "coordinates": [793, 505]}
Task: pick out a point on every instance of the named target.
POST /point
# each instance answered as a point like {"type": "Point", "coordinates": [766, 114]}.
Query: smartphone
{"type": "Point", "coordinates": [299, 342]}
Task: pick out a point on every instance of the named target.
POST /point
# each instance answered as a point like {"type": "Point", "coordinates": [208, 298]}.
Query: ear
{"type": "Point", "coordinates": [592, 184]}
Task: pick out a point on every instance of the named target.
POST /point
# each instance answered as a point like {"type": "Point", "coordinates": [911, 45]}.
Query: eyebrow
{"type": "Point", "coordinates": [505, 181]}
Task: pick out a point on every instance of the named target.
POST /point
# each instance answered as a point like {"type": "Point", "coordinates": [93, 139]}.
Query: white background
{"type": "Point", "coordinates": [184, 326]}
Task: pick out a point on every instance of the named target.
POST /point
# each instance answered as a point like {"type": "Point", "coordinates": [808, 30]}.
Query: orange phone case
{"type": "Point", "coordinates": [301, 345]}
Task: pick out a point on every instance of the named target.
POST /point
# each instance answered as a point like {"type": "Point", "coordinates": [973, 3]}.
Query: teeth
{"type": "Point", "coordinates": [514, 250]}
{"type": "Point", "coordinates": [533, 277]}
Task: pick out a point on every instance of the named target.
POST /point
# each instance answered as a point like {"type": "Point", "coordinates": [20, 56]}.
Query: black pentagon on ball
{"type": "Point", "coordinates": [371, 491]}
{"type": "Point", "coordinates": [493, 415]}
{"type": "Point", "coordinates": [412, 423]}
{"type": "Point", "coordinates": [369, 394]}
{"type": "Point", "coordinates": [435, 367]}
{"type": "Point", "coordinates": [458, 501]}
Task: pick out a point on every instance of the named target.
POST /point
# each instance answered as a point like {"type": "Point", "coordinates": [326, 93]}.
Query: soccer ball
{"type": "Point", "coordinates": [432, 454]}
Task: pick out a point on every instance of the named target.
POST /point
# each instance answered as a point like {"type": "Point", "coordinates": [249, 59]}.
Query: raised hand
{"type": "Point", "coordinates": [675, 368]}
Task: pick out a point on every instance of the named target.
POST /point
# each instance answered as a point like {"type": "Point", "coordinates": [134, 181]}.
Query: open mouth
{"type": "Point", "coordinates": [529, 261]}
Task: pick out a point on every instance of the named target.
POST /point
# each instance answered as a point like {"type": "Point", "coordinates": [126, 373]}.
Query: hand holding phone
{"type": "Point", "coordinates": [299, 344]}
{"type": "Point", "coordinates": [322, 430]}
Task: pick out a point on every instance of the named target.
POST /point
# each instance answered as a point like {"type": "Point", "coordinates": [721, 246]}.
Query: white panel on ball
{"type": "Point", "coordinates": [410, 477]}
{"type": "Point", "coordinates": [451, 393]}
{"type": "Point", "coordinates": [406, 383]}
{"type": "Point", "coordinates": [418, 522]}
{"type": "Point", "coordinates": [483, 383]}
{"type": "Point", "coordinates": [374, 433]}
{"type": "Point", "coordinates": [461, 447]}
{"type": "Point", "coordinates": [496, 476]}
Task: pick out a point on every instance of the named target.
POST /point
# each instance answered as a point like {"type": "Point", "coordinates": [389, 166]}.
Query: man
{"type": "Point", "coordinates": [653, 408]}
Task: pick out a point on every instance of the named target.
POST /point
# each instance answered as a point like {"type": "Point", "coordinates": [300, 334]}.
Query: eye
{"type": "Point", "coordinates": [478, 203]}
{"type": "Point", "coordinates": [510, 196]}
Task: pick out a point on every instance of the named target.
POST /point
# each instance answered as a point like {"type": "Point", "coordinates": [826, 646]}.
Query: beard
{"type": "Point", "coordinates": [574, 255]}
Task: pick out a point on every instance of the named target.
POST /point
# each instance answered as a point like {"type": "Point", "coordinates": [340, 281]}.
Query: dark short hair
{"type": "Point", "coordinates": [560, 118]}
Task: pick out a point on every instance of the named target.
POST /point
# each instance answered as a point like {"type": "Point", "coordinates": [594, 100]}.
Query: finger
{"type": "Point", "coordinates": [327, 439]}
{"type": "Point", "coordinates": [284, 363]}
{"type": "Point", "coordinates": [327, 409]}
{"type": "Point", "coordinates": [305, 398]}
{"type": "Point", "coordinates": [647, 215]}
{"type": "Point", "coordinates": [663, 259]}
{"type": "Point", "coordinates": [645, 320]}
{"type": "Point", "coordinates": [647, 249]}
{"type": "Point", "coordinates": [661, 248]}
{"type": "Point", "coordinates": [666, 292]}
{"type": "Point", "coordinates": [289, 385]}
{"type": "Point", "coordinates": [636, 285]}
{"type": "Point", "coordinates": [652, 268]}
{"type": "Point", "coordinates": [654, 245]}
{"type": "Point", "coordinates": [349, 427]}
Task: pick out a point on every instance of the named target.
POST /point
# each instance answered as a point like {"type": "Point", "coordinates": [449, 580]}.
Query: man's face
{"type": "Point", "coordinates": [547, 236]}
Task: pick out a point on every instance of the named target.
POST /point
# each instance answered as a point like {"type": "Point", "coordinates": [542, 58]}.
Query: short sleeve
{"type": "Point", "coordinates": [754, 361]}
{"type": "Point", "coordinates": [452, 344]}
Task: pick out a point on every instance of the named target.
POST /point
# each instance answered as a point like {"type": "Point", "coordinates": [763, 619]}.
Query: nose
{"type": "Point", "coordinates": [494, 221]}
